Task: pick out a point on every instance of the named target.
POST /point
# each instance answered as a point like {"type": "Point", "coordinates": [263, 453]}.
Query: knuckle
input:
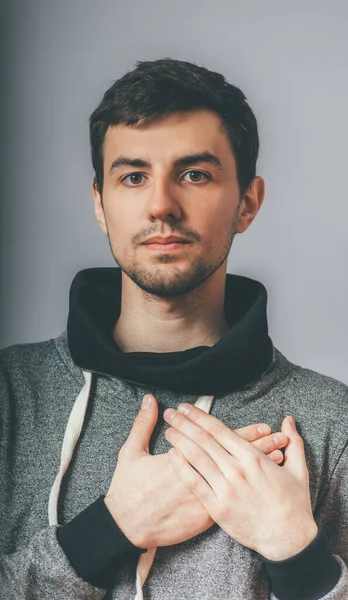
{"type": "Point", "coordinates": [194, 455]}
{"type": "Point", "coordinates": [201, 438]}
{"type": "Point", "coordinates": [194, 484]}
{"type": "Point", "coordinates": [208, 465]}
{"type": "Point", "coordinates": [234, 477]}
{"type": "Point", "coordinates": [253, 459]}
{"type": "Point", "coordinates": [217, 429]}
{"type": "Point", "coordinates": [139, 421]}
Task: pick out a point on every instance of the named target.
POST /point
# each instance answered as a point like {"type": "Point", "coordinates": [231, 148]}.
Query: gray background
{"type": "Point", "coordinates": [290, 59]}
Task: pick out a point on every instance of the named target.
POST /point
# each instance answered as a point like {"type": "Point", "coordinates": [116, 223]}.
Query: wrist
{"type": "Point", "coordinates": [131, 529]}
{"type": "Point", "coordinates": [290, 543]}
{"type": "Point", "coordinates": [312, 573]}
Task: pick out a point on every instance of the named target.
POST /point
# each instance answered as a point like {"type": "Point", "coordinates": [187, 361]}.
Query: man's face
{"type": "Point", "coordinates": [169, 194]}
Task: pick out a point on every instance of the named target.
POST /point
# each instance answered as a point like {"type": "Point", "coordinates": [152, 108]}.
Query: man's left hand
{"type": "Point", "coordinates": [261, 505]}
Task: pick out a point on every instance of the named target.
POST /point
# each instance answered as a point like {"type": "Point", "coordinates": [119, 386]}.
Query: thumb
{"type": "Point", "coordinates": [294, 455]}
{"type": "Point", "coordinates": [143, 426]}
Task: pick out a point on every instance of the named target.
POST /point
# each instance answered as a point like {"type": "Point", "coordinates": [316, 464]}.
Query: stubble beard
{"type": "Point", "coordinates": [172, 281]}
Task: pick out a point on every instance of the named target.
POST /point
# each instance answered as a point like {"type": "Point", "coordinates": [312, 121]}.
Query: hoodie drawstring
{"type": "Point", "coordinates": [146, 559]}
{"type": "Point", "coordinates": [71, 436]}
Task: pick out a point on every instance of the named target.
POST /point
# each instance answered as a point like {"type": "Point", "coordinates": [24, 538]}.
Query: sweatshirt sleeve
{"type": "Point", "coordinates": [310, 574]}
{"type": "Point", "coordinates": [95, 546]}
{"type": "Point", "coordinates": [338, 592]}
{"type": "Point", "coordinates": [78, 560]}
{"type": "Point", "coordinates": [40, 568]}
{"type": "Point", "coordinates": [41, 571]}
{"type": "Point", "coordinates": [332, 518]}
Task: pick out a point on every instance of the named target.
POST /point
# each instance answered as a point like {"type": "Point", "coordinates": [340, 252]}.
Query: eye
{"type": "Point", "coordinates": [134, 176]}
{"type": "Point", "coordinates": [199, 173]}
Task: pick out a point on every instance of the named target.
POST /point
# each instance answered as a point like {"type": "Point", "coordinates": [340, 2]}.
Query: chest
{"type": "Point", "coordinates": [211, 566]}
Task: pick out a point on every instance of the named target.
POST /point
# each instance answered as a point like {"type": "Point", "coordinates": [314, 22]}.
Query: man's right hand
{"type": "Point", "coordinates": [147, 500]}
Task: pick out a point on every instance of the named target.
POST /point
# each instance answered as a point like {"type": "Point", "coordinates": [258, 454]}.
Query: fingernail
{"type": "Point", "coordinates": [169, 413]}
{"type": "Point", "coordinates": [292, 421]}
{"type": "Point", "coordinates": [263, 429]}
{"type": "Point", "coordinates": [184, 408]}
{"type": "Point", "coordinates": [280, 438]}
{"type": "Point", "coordinates": [146, 403]}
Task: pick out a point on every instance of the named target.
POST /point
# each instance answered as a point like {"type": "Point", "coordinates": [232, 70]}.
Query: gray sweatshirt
{"type": "Point", "coordinates": [39, 384]}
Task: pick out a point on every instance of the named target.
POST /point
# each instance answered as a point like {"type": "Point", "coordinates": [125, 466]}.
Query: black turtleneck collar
{"type": "Point", "coordinates": [238, 358]}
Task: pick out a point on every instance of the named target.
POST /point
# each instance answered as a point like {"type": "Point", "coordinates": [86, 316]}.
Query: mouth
{"type": "Point", "coordinates": [166, 244]}
{"type": "Point", "coordinates": [166, 247]}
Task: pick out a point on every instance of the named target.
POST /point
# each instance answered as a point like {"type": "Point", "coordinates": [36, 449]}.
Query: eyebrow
{"type": "Point", "coordinates": [183, 161]}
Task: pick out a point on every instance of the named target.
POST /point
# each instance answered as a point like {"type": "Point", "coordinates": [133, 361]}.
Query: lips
{"type": "Point", "coordinates": [164, 245]}
{"type": "Point", "coordinates": [166, 241]}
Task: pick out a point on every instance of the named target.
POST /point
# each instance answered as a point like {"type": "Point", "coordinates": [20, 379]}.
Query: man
{"type": "Point", "coordinates": [207, 508]}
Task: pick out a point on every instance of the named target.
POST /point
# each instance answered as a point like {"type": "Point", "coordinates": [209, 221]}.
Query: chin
{"type": "Point", "coordinates": [167, 281]}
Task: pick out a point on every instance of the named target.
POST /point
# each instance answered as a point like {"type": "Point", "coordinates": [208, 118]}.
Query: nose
{"type": "Point", "coordinates": [162, 204]}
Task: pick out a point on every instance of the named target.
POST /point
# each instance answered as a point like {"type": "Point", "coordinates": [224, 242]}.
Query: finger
{"type": "Point", "coordinates": [276, 456]}
{"type": "Point", "coordinates": [194, 482]}
{"type": "Point", "coordinates": [294, 455]}
{"type": "Point", "coordinates": [266, 444]}
{"type": "Point", "coordinates": [228, 439]}
{"type": "Point", "coordinates": [253, 432]}
{"type": "Point", "coordinates": [143, 426]}
{"type": "Point", "coordinates": [201, 438]}
{"type": "Point", "coordinates": [212, 461]}
{"type": "Point", "coordinates": [271, 442]}
{"type": "Point", "coordinates": [198, 458]}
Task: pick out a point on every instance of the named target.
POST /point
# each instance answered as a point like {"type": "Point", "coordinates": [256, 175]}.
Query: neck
{"type": "Point", "coordinates": [151, 324]}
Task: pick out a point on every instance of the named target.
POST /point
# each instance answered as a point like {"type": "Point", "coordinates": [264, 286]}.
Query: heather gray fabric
{"type": "Point", "coordinates": [38, 386]}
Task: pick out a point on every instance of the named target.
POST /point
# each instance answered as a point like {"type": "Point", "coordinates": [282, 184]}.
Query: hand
{"type": "Point", "coordinates": [259, 504]}
{"type": "Point", "coordinates": [147, 499]}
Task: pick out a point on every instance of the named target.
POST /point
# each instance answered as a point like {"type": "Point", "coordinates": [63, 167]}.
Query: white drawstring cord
{"type": "Point", "coordinates": [71, 436]}
{"type": "Point", "coordinates": [146, 559]}
{"type": "Point", "coordinates": [204, 403]}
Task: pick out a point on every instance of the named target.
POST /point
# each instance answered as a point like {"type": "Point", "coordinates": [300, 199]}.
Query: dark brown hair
{"type": "Point", "coordinates": [160, 87]}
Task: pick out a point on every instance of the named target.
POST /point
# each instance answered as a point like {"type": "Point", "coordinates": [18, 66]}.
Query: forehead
{"type": "Point", "coordinates": [165, 138]}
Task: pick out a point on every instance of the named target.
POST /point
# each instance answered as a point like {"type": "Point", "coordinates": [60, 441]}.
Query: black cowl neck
{"type": "Point", "coordinates": [237, 359]}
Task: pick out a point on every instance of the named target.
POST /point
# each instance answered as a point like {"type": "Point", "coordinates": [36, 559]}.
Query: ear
{"type": "Point", "coordinates": [251, 204]}
{"type": "Point", "coordinates": [98, 207]}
